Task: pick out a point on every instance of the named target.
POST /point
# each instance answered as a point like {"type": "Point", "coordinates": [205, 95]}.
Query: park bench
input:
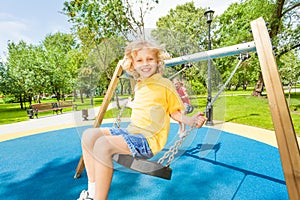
{"type": "Point", "coordinates": [43, 107]}
{"type": "Point", "coordinates": [56, 107]}
{"type": "Point", "coordinates": [66, 104]}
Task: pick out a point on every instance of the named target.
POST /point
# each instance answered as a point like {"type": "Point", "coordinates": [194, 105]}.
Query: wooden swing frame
{"type": "Point", "coordinates": [285, 134]}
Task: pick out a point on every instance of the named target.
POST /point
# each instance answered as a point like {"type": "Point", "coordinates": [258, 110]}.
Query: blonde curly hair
{"type": "Point", "coordinates": [131, 50]}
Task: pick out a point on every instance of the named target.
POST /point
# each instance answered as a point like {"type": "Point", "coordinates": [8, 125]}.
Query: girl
{"type": "Point", "coordinates": [182, 91]}
{"type": "Point", "coordinates": [155, 101]}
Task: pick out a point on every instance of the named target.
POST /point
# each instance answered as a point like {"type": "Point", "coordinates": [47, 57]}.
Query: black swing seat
{"type": "Point", "coordinates": [143, 166]}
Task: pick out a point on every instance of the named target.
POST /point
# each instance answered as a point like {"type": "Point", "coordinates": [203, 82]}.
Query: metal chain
{"type": "Point", "coordinates": [117, 122]}
{"type": "Point", "coordinates": [170, 154]}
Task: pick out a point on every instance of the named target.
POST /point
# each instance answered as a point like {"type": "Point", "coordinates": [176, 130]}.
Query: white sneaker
{"type": "Point", "coordinates": [84, 195]}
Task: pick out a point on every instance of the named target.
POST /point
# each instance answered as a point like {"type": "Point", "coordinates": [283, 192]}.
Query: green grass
{"type": "Point", "coordinates": [242, 108]}
{"type": "Point", "coordinates": [248, 110]}
{"type": "Point", "coordinates": [237, 107]}
{"type": "Point", "coordinates": [11, 113]}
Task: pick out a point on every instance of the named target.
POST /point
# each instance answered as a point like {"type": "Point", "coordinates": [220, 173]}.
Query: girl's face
{"type": "Point", "coordinates": [176, 83]}
{"type": "Point", "coordinates": [145, 62]}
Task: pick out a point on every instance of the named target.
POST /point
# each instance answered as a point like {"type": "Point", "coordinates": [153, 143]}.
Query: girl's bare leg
{"type": "Point", "coordinates": [104, 148]}
{"type": "Point", "coordinates": [88, 140]}
{"type": "Point", "coordinates": [98, 146]}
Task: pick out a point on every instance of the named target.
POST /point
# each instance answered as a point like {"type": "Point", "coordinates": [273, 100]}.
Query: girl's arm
{"type": "Point", "coordinates": [198, 119]}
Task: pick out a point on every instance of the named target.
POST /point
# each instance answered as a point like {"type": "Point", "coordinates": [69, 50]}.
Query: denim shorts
{"type": "Point", "coordinates": [137, 143]}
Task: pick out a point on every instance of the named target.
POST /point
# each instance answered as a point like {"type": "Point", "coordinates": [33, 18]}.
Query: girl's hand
{"type": "Point", "coordinates": [199, 119]}
{"type": "Point", "coordinates": [129, 103]}
{"type": "Point", "coordinates": [126, 63]}
{"type": "Point", "coordinates": [196, 120]}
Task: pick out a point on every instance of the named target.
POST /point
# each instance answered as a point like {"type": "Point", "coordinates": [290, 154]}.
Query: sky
{"type": "Point", "coordinates": [32, 20]}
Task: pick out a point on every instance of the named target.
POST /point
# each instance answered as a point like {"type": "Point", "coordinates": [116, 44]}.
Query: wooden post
{"type": "Point", "coordinates": [284, 129]}
{"type": "Point", "coordinates": [110, 91]}
{"type": "Point", "coordinates": [111, 88]}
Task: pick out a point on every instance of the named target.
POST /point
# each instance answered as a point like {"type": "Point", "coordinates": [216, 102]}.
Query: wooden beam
{"type": "Point", "coordinates": [110, 91]}
{"type": "Point", "coordinates": [284, 129]}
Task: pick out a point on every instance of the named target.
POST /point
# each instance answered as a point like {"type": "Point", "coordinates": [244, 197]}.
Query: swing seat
{"type": "Point", "coordinates": [143, 166]}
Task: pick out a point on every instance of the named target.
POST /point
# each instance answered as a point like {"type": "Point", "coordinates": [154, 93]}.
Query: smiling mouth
{"type": "Point", "coordinates": [146, 69]}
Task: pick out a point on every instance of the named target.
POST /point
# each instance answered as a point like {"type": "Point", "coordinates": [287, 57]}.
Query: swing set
{"type": "Point", "coordinates": [283, 126]}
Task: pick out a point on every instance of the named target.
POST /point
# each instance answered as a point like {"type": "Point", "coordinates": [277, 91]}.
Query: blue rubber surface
{"type": "Point", "coordinates": [211, 164]}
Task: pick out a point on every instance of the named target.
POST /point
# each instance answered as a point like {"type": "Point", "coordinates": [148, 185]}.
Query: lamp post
{"type": "Point", "coordinates": [209, 108]}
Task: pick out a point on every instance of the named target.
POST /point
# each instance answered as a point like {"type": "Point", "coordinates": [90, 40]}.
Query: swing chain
{"type": "Point", "coordinates": [117, 122]}
{"type": "Point", "coordinates": [170, 154]}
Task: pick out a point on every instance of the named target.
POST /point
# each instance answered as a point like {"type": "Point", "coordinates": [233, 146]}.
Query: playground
{"type": "Point", "coordinates": [226, 165]}
{"type": "Point", "coordinates": [223, 161]}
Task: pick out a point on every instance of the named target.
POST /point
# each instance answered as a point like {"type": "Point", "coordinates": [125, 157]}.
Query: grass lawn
{"type": "Point", "coordinates": [234, 107]}
{"type": "Point", "coordinates": [11, 112]}
{"type": "Point", "coordinates": [255, 111]}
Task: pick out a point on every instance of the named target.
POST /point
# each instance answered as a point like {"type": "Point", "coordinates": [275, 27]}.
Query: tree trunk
{"type": "Point", "coordinates": [289, 93]}
{"type": "Point", "coordinates": [92, 99]}
{"type": "Point", "coordinates": [245, 84]}
{"type": "Point", "coordinates": [259, 87]}
{"type": "Point", "coordinates": [277, 15]}
{"type": "Point", "coordinates": [38, 99]}
{"type": "Point", "coordinates": [30, 100]}
{"type": "Point", "coordinates": [21, 101]}
{"type": "Point", "coordinates": [81, 97]}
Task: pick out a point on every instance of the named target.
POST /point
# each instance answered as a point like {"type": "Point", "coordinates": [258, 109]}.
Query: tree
{"type": "Point", "coordinates": [284, 26]}
{"type": "Point", "coordinates": [290, 70]}
{"type": "Point", "coordinates": [103, 27]}
{"type": "Point", "coordinates": [109, 18]}
{"type": "Point", "coordinates": [5, 79]}
{"type": "Point", "coordinates": [57, 47]}
{"type": "Point", "coordinates": [233, 27]}
{"type": "Point", "coordinates": [75, 58]}
{"type": "Point", "coordinates": [183, 31]}
{"type": "Point", "coordinates": [21, 70]}
{"type": "Point", "coordinates": [34, 70]}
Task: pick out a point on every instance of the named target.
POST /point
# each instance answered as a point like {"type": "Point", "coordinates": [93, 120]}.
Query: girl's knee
{"type": "Point", "coordinates": [103, 151]}
{"type": "Point", "coordinates": [103, 147]}
{"type": "Point", "coordinates": [90, 136]}
{"type": "Point", "coordinates": [86, 135]}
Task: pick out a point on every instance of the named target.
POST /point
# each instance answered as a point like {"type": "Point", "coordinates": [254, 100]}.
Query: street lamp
{"type": "Point", "coordinates": [209, 108]}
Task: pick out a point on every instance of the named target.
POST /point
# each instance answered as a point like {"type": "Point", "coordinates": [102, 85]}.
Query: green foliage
{"type": "Point", "coordinates": [32, 70]}
{"type": "Point", "coordinates": [9, 99]}
{"type": "Point", "coordinates": [105, 19]}
{"type": "Point", "coordinates": [289, 68]}
{"type": "Point", "coordinates": [20, 76]}
{"type": "Point", "coordinates": [103, 27]}
{"type": "Point", "coordinates": [57, 47]}
{"type": "Point", "coordinates": [97, 69]}
{"type": "Point", "coordinates": [91, 14]}
{"type": "Point", "coordinates": [183, 31]}
{"type": "Point", "coordinates": [233, 27]}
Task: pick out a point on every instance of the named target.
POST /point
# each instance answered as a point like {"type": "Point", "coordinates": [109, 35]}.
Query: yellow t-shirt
{"type": "Point", "coordinates": [155, 99]}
